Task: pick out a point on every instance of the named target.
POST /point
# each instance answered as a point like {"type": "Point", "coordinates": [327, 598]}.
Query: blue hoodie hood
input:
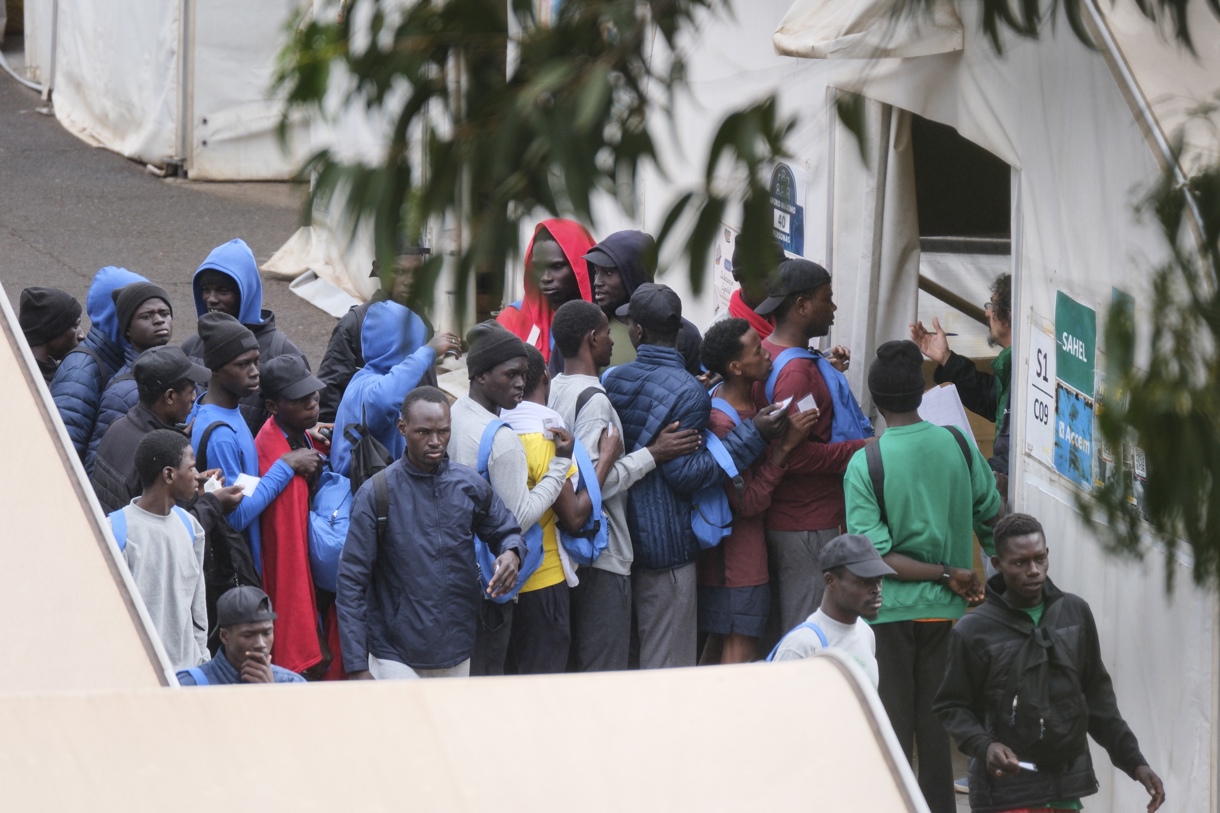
{"type": "Point", "coordinates": [236, 260]}
{"type": "Point", "coordinates": [391, 332]}
{"type": "Point", "coordinates": [100, 305]}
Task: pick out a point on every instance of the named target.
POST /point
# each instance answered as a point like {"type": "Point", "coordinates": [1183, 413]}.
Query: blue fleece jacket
{"type": "Point", "coordinates": [231, 449]}
{"type": "Point", "coordinates": [650, 393]}
{"type": "Point", "coordinates": [80, 379]}
{"type": "Point", "coordinates": [396, 357]}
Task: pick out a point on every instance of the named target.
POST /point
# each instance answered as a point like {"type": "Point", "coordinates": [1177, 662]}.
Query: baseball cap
{"type": "Point", "coordinates": [654, 306]}
{"type": "Point", "coordinates": [792, 277]}
{"type": "Point", "coordinates": [406, 248]}
{"type": "Point", "coordinates": [287, 376]}
{"type": "Point", "coordinates": [856, 553]}
{"type": "Point", "coordinates": [159, 368]}
{"type": "Point", "coordinates": [243, 605]}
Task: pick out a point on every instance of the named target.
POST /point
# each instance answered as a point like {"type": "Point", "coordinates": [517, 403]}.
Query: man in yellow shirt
{"type": "Point", "coordinates": [541, 632]}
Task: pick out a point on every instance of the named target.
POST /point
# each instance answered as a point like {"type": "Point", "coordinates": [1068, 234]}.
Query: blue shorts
{"type": "Point", "coordinates": [743, 610]}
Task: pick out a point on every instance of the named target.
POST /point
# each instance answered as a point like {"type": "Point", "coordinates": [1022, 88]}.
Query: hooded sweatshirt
{"type": "Point", "coordinates": [84, 373]}
{"type": "Point", "coordinates": [530, 317]}
{"type": "Point", "coordinates": [396, 357]}
{"type": "Point", "coordinates": [235, 260]}
{"type": "Point", "coordinates": [631, 251]}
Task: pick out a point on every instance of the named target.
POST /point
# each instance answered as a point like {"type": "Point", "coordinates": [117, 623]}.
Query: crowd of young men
{"type": "Point", "coordinates": [588, 417]}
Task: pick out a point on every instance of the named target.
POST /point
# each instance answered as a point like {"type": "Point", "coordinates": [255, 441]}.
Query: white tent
{"type": "Point", "coordinates": [170, 83]}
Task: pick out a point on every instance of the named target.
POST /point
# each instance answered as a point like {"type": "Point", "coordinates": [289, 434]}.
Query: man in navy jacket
{"type": "Point", "coordinates": [649, 394]}
{"type": "Point", "coordinates": [408, 602]}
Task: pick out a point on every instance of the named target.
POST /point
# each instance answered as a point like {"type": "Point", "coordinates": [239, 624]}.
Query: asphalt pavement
{"type": "Point", "coordinates": [68, 209]}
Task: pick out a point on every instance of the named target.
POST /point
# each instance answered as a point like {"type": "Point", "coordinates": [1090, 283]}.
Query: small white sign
{"type": "Point", "coordinates": [1040, 398]}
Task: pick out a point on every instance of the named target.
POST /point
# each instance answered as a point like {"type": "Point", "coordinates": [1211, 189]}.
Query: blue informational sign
{"type": "Point", "coordinates": [1074, 436]}
{"type": "Point", "coordinates": [789, 215]}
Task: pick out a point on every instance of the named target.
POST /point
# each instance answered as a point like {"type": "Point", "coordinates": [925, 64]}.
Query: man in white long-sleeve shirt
{"type": "Point", "coordinates": [601, 603]}
{"type": "Point", "coordinates": [163, 546]}
{"type": "Point", "coordinates": [496, 364]}
{"type": "Point", "coordinates": [852, 570]}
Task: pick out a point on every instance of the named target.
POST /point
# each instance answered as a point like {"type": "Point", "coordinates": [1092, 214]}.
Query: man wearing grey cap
{"type": "Point", "coordinates": [651, 393]}
{"type": "Point", "coordinates": [851, 571]}
{"type": "Point", "coordinates": [247, 633]}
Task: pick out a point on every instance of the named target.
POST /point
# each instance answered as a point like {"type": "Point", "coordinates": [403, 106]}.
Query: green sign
{"type": "Point", "coordinates": [1076, 340]}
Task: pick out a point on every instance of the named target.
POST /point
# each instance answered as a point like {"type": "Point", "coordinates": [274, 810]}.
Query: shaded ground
{"type": "Point", "coordinates": [67, 209]}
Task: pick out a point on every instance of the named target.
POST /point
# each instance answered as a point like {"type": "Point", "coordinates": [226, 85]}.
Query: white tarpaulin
{"type": "Point", "coordinates": [837, 29]}
{"type": "Point", "coordinates": [159, 81]}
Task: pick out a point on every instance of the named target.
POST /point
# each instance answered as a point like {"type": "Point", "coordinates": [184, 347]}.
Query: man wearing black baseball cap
{"type": "Point", "coordinates": [852, 571]}
{"type": "Point", "coordinates": [165, 380]}
{"type": "Point", "coordinates": [807, 506]}
{"type": "Point", "coordinates": [650, 393]}
{"type": "Point", "coordinates": [247, 633]}
{"type": "Point", "coordinates": [290, 392]}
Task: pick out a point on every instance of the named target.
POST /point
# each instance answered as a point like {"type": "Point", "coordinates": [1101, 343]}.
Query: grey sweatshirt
{"type": "Point", "coordinates": [167, 567]}
{"type": "Point", "coordinates": [507, 467]}
{"type": "Point", "coordinates": [629, 469]}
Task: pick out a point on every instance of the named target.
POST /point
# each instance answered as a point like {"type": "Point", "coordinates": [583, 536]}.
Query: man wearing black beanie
{"type": "Point", "coordinates": [935, 489]}
{"type": "Point", "coordinates": [50, 320]}
{"type": "Point", "coordinates": [496, 362]}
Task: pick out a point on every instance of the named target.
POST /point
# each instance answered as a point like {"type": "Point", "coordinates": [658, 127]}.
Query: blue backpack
{"type": "Point", "coordinates": [711, 515]}
{"type": "Point", "coordinates": [200, 678]}
{"type": "Point", "coordinates": [118, 525]}
{"type": "Point", "coordinates": [849, 421]}
{"type": "Point", "coordinates": [330, 514]}
{"type": "Point", "coordinates": [484, 558]}
{"type": "Point", "coordinates": [585, 546]}
{"type": "Point", "coordinates": [803, 625]}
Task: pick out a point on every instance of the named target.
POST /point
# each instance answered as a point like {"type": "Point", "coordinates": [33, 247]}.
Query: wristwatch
{"type": "Point", "coordinates": [945, 577]}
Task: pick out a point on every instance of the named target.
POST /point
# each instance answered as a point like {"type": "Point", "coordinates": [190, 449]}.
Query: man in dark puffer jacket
{"type": "Point", "coordinates": [84, 373]}
{"type": "Point", "coordinates": [650, 393]}
{"type": "Point", "coordinates": [974, 700]}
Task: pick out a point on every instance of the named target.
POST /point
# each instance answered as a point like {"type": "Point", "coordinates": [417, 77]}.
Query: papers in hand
{"type": "Point", "coordinates": [247, 482]}
{"type": "Point", "coordinates": [805, 404]}
{"type": "Point", "coordinates": [784, 403]}
{"type": "Point", "coordinates": [943, 407]}
{"type": "Point", "coordinates": [211, 485]}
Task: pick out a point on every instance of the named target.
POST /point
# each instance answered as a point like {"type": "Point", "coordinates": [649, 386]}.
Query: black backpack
{"type": "Point", "coordinates": [1042, 714]}
{"type": "Point", "coordinates": [227, 562]}
{"type": "Point", "coordinates": [368, 455]}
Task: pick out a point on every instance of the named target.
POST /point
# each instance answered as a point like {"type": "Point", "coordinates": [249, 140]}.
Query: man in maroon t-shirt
{"type": "Point", "coordinates": [807, 509]}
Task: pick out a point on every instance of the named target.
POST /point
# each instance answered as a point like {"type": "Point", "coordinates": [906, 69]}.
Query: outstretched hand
{"type": "Point", "coordinates": [1152, 783]}
{"type": "Point", "coordinates": [932, 343]}
{"type": "Point", "coordinates": [771, 421]}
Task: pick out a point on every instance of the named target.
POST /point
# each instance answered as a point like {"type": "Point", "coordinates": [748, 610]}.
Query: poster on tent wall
{"type": "Point", "coordinates": [787, 190]}
{"type": "Point", "coordinates": [1075, 369]}
{"type": "Point", "coordinates": [723, 283]}
{"type": "Point", "coordinates": [1040, 399]}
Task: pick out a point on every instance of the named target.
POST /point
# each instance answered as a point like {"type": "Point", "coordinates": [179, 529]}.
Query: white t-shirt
{"type": "Point", "coordinates": [854, 640]}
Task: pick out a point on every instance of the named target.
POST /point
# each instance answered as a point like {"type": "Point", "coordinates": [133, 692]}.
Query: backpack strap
{"type": "Point", "coordinates": [961, 442]}
{"type": "Point", "coordinates": [725, 460]}
{"type": "Point", "coordinates": [118, 527]}
{"type": "Point", "coordinates": [876, 474]}
{"type": "Point", "coordinates": [781, 361]}
{"type": "Point", "coordinates": [201, 457]}
{"type": "Point", "coordinates": [278, 340]}
{"type": "Point", "coordinates": [381, 503]}
{"type": "Point", "coordinates": [103, 369]}
{"type": "Point", "coordinates": [584, 398]}
{"type": "Point", "coordinates": [803, 625]}
{"type": "Point", "coordinates": [727, 408]}
{"type": "Point", "coordinates": [186, 520]}
{"type": "Point", "coordinates": [197, 675]}
{"type": "Point", "coordinates": [362, 310]}
{"type": "Point", "coordinates": [485, 443]}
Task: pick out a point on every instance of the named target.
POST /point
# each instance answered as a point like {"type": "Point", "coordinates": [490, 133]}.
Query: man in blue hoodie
{"type": "Point", "coordinates": [651, 393]}
{"type": "Point", "coordinates": [230, 351]}
{"type": "Point", "coordinates": [396, 359]}
{"type": "Point", "coordinates": [84, 373]}
{"type": "Point", "coordinates": [228, 282]}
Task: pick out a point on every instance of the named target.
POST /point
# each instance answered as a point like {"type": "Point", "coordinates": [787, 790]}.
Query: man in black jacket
{"type": "Point", "coordinates": [990, 671]}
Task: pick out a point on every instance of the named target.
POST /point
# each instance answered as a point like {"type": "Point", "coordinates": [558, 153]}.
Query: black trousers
{"type": "Point", "coordinates": [911, 660]}
{"type": "Point", "coordinates": [541, 631]}
{"type": "Point", "coordinates": [491, 638]}
{"type": "Point", "coordinates": [601, 621]}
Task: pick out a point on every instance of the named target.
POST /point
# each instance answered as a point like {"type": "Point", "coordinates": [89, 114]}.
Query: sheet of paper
{"type": "Point", "coordinates": [805, 404]}
{"type": "Point", "coordinates": [943, 407]}
{"type": "Point", "coordinates": [211, 485]}
{"type": "Point", "coordinates": [247, 482]}
{"type": "Point", "coordinates": [784, 403]}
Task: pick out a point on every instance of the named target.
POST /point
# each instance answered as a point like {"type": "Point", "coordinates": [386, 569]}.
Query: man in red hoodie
{"type": "Point", "coordinates": [555, 273]}
{"type": "Point", "coordinates": [290, 393]}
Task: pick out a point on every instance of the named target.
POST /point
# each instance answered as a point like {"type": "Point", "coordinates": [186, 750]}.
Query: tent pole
{"type": "Point", "coordinates": [49, 84]}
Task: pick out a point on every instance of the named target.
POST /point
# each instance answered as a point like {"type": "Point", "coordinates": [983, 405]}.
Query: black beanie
{"type": "Point", "coordinates": [127, 301]}
{"type": "Point", "coordinates": [224, 339]}
{"type": "Point", "coordinates": [46, 313]}
{"type": "Point", "coordinates": [491, 344]}
{"type": "Point", "coordinates": [895, 378]}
